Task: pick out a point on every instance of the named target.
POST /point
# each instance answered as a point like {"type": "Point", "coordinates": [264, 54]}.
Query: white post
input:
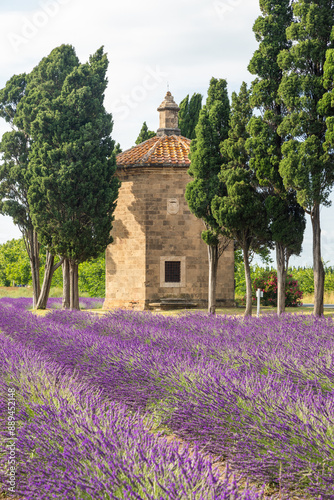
{"type": "Point", "coordinates": [259, 294]}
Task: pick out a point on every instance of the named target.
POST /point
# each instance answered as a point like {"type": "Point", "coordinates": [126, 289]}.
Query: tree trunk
{"type": "Point", "coordinates": [213, 266]}
{"type": "Point", "coordinates": [318, 269]}
{"type": "Point", "coordinates": [248, 310]}
{"type": "Point", "coordinates": [32, 246]}
{"type": "Point", "coordinates": [66, 284]}
{"type": "Point", "coordinates": [281, 277]}
{"type": "Point", "coordinates": [74, 285]}
{"type": "Point", "coordinates": [48, 273]}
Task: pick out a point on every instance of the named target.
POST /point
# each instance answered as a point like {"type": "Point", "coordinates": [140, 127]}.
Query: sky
{"type": "Point", "coordinates": [151, 45]}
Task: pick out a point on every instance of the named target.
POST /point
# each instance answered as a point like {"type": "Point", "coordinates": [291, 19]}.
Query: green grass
{"type": "Point", "coordinates": [17, 292]}
{"type": "Point", "coordinates": [239, 311]}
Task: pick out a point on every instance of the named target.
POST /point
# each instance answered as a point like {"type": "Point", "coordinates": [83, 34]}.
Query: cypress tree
{"type": "Point", "coordinates": [144, 134]}
{"type": "Point", "coordinates": [307, 166]}
{"type": "Point", "coordinates": [18, 106]}
{"type": "Point", "coordinates": [117, 149]}
{"type": "Point", "coordinates": [189, 115]}
{"type": "Point", "coordinates": [43, 86]}
{"type": "Point", "coordinates": [211, 130]}
{"type": "Point", "coordinates": [73, 190]}
{"type": "Point", "coordinates": [240, 210]}
{"type": "Point", "coordinates": [14, 187]}
{"type": "Point", "coordinates": [286, 217]}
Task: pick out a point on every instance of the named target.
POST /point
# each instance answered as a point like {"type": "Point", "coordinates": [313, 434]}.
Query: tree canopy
{"type": "Point", "coordinates": [189, 115]}
{"type": "Point", "coordinates": [144, 134]}
{"type": "Point", "coordinates": [14, 173]}
{"type": "Point", "coordinates": [206, 159]}
{"type": "Point", "coordinates": [285, 216]}
{"type": "Point", "coordinates": [14, 263]}
{"type": "Point", "coordinates": [239, 211]}
{"type": "Point", "coordinates": [205, 155]}
{"type": "Point", "coordinates": [307, 165]}
{"type": "Point", "coordinates": [73, 190]}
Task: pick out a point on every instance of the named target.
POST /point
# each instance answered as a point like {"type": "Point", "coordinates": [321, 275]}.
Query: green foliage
{"type": "Point", "coordinates": [14, 263]}
{"type": "Point", "coordinates": [210, 238]}
{"type": "Point", "coordinates": [117, 149]}
{"type": "Point", "coordinates": [307, 166]}
{"type": "Point", "coordinates": [211, 129]}
{"type": "Point", "coordinates": [15, 266]}
{"type": "Point", "coordinates": [239, 277]}
{"type": "Point", "coordinates": [15, 147]}
{"type": "Point", "coordinates": [15, 178]}
{"type": "Point", "coordinates": [286, 217]}
{"type": "Point", "coordinates": [269, 29]}
{"type": "Point", "coordinates": [189, 115]}
{"type": "Point", "coordinates": [268, 284]}
{"type": "Point", "coordinates": [305, 278]}
{"type": "Point", "coordinates": [286, 221]}
{"type": "Point", "coordinates": [238, 259]}
{"type": "Point", "coordinates": [241, 211]}
{"type": "Point", "coordinates": [256, 271]}
{"type": "Point", "coordinates": [92, 277]}
{"type": "Point", "coordinates": [303, 275]}
{"type": "Point", "coordinates": [329, 279]}
{"type": "Point", "coordinates": [73, 189]}
{"type": "Point", "coordinates": [308, 158]}
{"type": "Point", "coordinates": [57, 278]}
{"type": "Point", "coordinates": [326, 106]}
{"type": "Point", "coordinates": [144, 134]}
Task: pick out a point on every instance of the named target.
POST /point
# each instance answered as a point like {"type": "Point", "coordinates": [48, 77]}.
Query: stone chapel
{"type": "Point", "coordinates": [157, 256]}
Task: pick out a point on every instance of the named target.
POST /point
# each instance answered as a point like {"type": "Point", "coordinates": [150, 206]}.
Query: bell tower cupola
{"type": "Point", "coordinates": [169, 120]}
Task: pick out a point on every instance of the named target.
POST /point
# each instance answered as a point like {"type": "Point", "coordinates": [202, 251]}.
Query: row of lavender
{"type": "Point", "coordinates": [259, 392]}
{"type": "Point", "coordinates": [54, 302]}
{"type": "Point", "coordinates": [74, 442]}
{"type": "Point", "coordinates": [70, 444]}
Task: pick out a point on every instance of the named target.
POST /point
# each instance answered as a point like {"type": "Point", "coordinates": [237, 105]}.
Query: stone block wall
{"type": "Point", "coordinates": [152, 224]}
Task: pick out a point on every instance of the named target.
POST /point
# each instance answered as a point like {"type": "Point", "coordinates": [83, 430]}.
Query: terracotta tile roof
{"type": "Point", "coordinates": [168, 150]}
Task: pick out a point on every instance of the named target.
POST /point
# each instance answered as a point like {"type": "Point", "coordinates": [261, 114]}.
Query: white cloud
{"type": "Point", "coordinates": [8, 230]}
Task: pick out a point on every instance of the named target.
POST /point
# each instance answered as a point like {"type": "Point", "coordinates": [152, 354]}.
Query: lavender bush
{"type": "Point", "coordinates": [73, 444]}
{"type": "Point", "coordinates": [258, 392]}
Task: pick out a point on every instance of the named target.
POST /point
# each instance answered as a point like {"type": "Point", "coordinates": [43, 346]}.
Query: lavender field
{"type": "Point", "coordinates": [95, 395]}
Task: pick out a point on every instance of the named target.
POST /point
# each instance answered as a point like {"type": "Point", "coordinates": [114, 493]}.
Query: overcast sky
{"type": "Point", "coordinates": [150, 44]}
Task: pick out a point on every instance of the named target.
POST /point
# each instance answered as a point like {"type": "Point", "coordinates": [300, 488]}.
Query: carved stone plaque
{"type": "Point", "coordinates": [172, 206]}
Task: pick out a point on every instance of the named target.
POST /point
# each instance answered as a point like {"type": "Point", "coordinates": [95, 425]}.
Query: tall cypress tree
{"type": "Point", "coordinates": [73, 190]}
{"type": "Point", "coordinates": [240, 210]}
{"type": "Point", "coordinates": [307, 166]}
{"type": "Point", "coordinates": [211, 130]}
{"type": "Point", "coordinates": [43, 86]}
{"type": "Point", "coordinates": [19, 105]}
{"type": "Point", "coordinates": [14, 186]}
{"type": "Point", "coordinates": [189, 115]}
{"type": "Point", "coordinates": [286, 217]}
{"type": "Point", "coordinates": [144, 134]}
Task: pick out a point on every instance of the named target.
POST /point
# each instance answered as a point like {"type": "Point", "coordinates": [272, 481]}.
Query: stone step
{"type": "Point", "coordinates": [171, 303]}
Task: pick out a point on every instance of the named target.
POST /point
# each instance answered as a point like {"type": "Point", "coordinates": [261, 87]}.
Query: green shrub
{"type": "Point", "coordinates": [305, 278]}
{"type": "Point", "coordinates": [92, 277]}
{"type": "Point", "coordinates": [14, 263]}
